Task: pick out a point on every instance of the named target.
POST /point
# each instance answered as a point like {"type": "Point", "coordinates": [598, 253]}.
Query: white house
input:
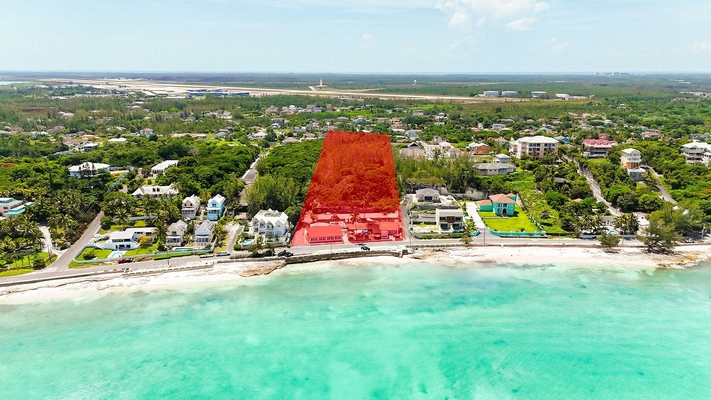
{"type": "Point", "coordinates": [534, 147]}
{"type": "Point", "coordinates": [176, 231]}
{"type": "Point", "coordinates": [160, 168]}
{"type": "Point", "coordinates": [203, 234]}
{"type": "Point", "coordinates": [449, 220]}
{"type": "Point", "coordinates": [128, 239]}
{"type": "Point", "coordinates": [88, 169]}
{"type": "Point", "coordinates": [631, 159]}
{"type": "Point", "coordinates": [492, 169]}
{"type": "Point", "coordinates": [117, 140]}
{"type": "Point", "coordinates": [270, 223]}
{"type": "Point", "coordinates": [502, 158]}
{"type": "Point", "coordinates": [155, 191]}
{"type": "Point", "coordinates": [190, 207]}
{"type": "Point", "coordinates": [696, 152]}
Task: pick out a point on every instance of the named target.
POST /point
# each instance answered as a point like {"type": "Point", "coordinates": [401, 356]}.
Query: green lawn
{"type": "Point", "coordinates": [517, 223]}
{"type": "Point", "coordinates": [27, 260]}
{"type": "Point", "coordinates": [139, 251]}
{"type": "Point", "coordinates": [14, 272]}
{"type": "Point", "coordinates": [99, 253]}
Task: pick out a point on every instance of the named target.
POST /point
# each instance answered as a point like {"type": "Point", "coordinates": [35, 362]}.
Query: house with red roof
{"type": "Point", "coordinates": [499, 204]}
{"type": "Point", "coordinates": [597, 148]}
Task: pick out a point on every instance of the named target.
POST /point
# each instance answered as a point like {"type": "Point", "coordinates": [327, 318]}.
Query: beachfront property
{"type": "Point", "coordinates": [493, 169]}
{"type": "Point", "coordinates": [215, 207]}
{"type": "Point", "coordinates": [449, 220]}
{"type": "Point", "coordinates": [203, 234]}
{"type": "Point", "coordinates": [155, 191]}
{"type": "Point", "coordinates": [322, 234]}
{"type": "Point", "coordinates": [597, 148]}
{"type": "Point", "coordinates": [535, 146]}
{"type": "Point", "coordinates": [190, 207]}
{"type": "Point", "coordinates": [631, 159]}
{"type": "Point", "coordinates": [88, 169]}
{"type": "Point", "coordinates": [160, 168]}
{"type": "Point", "coordinates": [270, 223]}
{"type": "Point", "coordinates": [128, 239]}
{"type": "Point", "coordinates": [502, 205]}
{"type": "Point", "coordinates": [176, 233]}
{"type": "Point", "coordinates": [502, 158]}
{"type": "Point", "coordinates": [697, 152]}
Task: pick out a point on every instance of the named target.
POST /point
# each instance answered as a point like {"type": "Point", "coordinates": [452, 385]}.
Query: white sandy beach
{"type": "Point", "coordinates": [630, 259]}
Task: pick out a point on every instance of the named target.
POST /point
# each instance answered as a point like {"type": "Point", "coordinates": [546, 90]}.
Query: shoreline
{"type": "Point", "coordinates": [247, 273]}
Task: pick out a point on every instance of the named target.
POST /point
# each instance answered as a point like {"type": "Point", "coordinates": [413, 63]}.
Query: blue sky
{"type": "Point", "coordinates": [341, 36]}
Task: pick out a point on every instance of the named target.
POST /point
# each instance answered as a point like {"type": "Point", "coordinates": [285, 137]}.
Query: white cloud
{"type": "Point", "coordinates": [522, 24]}
{"type": "Point", "coordinates": [495, 8]}
{"type": "Point", "coordinates": [702, 47]}
{"type": "Point", "coordinates": [458, 19]}
{"type": "Point", "coordinates": [558, 45]}
{"type": "Point", "coordinates": [367, 37]}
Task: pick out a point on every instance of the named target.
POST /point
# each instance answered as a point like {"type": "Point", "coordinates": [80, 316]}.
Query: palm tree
{"type": "Point", "coordinates": [627, 223]}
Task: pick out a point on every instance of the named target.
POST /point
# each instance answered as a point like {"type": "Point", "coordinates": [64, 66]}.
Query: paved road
{"type": "Point", "coordinates": [62, 263]}
{"type": "Point", "coordinates": [665, 195]}
{"type": "Point", "coordinates": [251, 174]}
{"type": "Point", "coordinates": [595, 187]}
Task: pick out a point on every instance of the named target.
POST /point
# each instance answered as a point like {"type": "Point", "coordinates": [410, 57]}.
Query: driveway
{"type": "Point", "coordinates": [62, 263]}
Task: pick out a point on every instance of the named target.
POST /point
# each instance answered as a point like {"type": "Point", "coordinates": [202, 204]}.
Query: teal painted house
{"type": "Point", "coordinates": [500, 204]}
{"type": "Point", "coordinates": [215, 208]}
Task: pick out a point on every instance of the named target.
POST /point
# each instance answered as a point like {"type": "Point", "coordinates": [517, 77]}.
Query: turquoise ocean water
{"type": "Point", "coordinates": [420, 331]}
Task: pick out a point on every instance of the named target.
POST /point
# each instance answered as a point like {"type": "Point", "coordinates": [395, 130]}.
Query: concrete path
{"type": "Point", "coordinates": [478, 222]}
{"type": "Point", "coordinates": [662, 190]}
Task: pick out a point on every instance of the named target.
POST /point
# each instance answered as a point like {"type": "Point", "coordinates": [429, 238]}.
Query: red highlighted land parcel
{"type": "Point", "coordinates": [353, 195]}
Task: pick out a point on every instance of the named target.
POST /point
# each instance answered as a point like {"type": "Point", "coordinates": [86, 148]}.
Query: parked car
{"type": "Point", "coordinates": [125, 260]}
{"type": "Point", "coordinates": [285, 253]}
{"type": "Point", "coordinates": [223, 254]}
{"type": "Point", "coordinates": [366, 248]}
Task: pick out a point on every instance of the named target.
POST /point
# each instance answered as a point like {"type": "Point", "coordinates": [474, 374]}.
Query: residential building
{"type": "Point", "coordinates": [492, 169]}
{"type": "Point", "coordinates": [500, 204]}
{"type": "Point", "coordinates": [596, 148]}
{"type": "Point", "coordinates": [155, 191]}
{"type": "Point", "coordinates": [128, 239]}
{"type": "Point", "coordinates": [270, 223]}
{"type": "Point", "coordinates": [631, 159]}
{"type": "Point", "coordinates": [478, 148]}
{"type": "Point", "coordinates": [190, 207]}
{"type": "Point", "coordinates": [215, 207]}
{"type": "Point", "coordinates": [696, 152]}
{"type": "Point", "coordinates": [8, 204]}
{"type": "Point", "coordinates": [160, 168]}
{"type": "Point", "coordinates": [322, 234]}
{"type": "Point", "coordinates": [502, 158]}
{"type": "Point", "coordinates": [427, 195]}
{"type": "Point", "coordinates": [203, 234]}
{"type": "Point", "coordinates": [413, 150]}
{"type": "Point", "coordinates": [534, 147]}
{"type": "Point", "coordinates": [536, 94]}
{"type": "Point", "coordinates": [509, 93]}
{"type": "Point", "coordinates": [90, 146]}
{"type": "Point", "coordinates": [88, 169]}
{"type": "Point", "coordinates": [176, 233]}
{"type": "Point", "coordinates": [117, 140]}
{"type": "Point", "coordinates": [449, 220]}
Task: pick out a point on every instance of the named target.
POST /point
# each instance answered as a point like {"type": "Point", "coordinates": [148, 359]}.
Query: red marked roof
{"type": "Point", "coordinates": [323, 231]}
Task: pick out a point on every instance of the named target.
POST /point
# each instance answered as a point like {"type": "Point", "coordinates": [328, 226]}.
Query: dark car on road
{"type": "Point", "coordinates": [285, 253]}
{"type": "Point", "coordinates": [125, 260]}
{"type": "Point", "coordinates": [366, 248]}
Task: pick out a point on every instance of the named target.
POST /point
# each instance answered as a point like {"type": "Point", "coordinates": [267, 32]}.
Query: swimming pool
{"type": "Point", "coordinates": [116, 254]}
